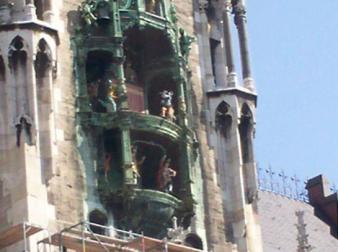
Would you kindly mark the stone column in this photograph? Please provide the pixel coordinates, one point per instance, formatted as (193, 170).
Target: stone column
(49, 11)
(240, 21)
(5, 12)
(30, 10)
(232, 76)
(203, 37)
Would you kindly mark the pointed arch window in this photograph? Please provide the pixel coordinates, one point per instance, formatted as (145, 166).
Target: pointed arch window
(43, 60)
(17, 61)
(223, 119)
(44, 81)
(223, 123)
(246, 131)
(17, 53)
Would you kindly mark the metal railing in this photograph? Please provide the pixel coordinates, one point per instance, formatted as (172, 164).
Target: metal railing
(280, 183)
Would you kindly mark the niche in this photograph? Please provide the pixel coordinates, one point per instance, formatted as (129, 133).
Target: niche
(223, 119)
(111, 155)
(246, 131)
(97, 217)
(153, 154)
(43, 59)
(147, 54)
(101, 81)
(246, 135)
(156, 103)
(17, 59)
(42, 66)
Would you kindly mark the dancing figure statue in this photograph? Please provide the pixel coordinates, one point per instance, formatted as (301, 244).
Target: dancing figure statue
(109, 101)
(137, 163)
(167, 110)
(165, 175)
(107, 164)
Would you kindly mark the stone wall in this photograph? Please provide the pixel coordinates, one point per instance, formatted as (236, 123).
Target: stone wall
(211, 214)
(66, 186)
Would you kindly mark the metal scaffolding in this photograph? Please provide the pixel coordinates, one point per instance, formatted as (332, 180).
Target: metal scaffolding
(81, 238)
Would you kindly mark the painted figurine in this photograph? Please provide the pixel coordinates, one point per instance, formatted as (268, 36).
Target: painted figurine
(109, 101)
(136, 164)
(167, 110)
(150, 6)
(87, 9)
(165, 175)
(107, 163)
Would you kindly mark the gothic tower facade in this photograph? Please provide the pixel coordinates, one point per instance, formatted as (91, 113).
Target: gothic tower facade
(127, 116)
(230, 113)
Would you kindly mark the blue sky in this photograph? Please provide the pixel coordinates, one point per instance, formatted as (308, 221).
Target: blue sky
(294, 53)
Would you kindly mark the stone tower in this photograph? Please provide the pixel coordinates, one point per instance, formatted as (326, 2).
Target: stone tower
(230, 112)
(127, 114)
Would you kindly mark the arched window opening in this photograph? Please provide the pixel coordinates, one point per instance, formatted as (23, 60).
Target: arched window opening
(17, 56)
(97, 217)
(223, 119)
(157, 162)
(194, 241)
(246, 131)
(42, 66)
(246, 135)
(17, 60)
(111, 159)
(144, 58)
(101, 81)
(43, 59)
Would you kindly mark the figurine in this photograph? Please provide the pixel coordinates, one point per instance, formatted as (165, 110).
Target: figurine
(109, 102)
(167, 110)
(150, 6)
(165, 175)
(107, 162)
(87, 9)
(136, 164)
